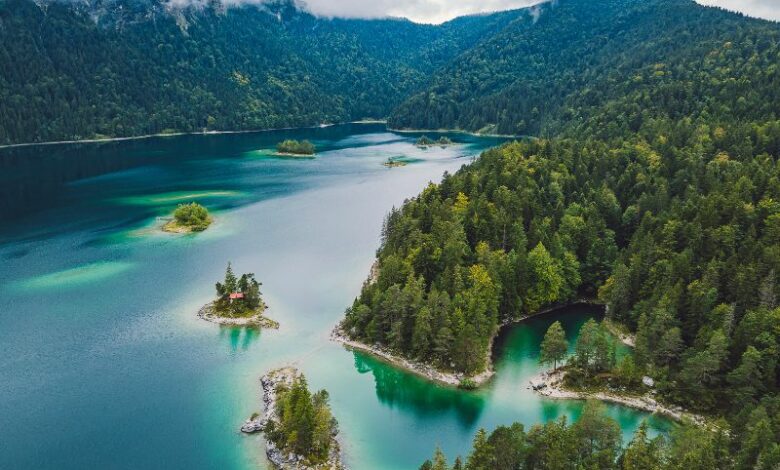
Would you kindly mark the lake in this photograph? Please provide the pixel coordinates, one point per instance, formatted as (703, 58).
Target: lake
(103, 361)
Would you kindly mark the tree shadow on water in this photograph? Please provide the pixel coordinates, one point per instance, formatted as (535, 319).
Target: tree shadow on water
(400, 389)
(239, 338)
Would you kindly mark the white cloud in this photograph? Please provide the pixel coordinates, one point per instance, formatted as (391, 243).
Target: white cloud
(422, 11)
(769, 9)
(437, 11)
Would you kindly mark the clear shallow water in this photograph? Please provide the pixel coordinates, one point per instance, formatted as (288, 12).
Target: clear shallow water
(103, 362)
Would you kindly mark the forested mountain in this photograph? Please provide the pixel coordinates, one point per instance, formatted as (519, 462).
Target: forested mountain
(656, 189)
(75, 70)
(565, 65)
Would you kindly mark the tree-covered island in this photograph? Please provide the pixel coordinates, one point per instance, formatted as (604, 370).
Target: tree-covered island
(425, 142)
(239, 302)
(295, 148)
(189, 218)
(298, 425)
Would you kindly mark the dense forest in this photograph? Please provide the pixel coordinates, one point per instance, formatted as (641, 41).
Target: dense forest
(656, 190)
(78, 70)
(595, 442)
(575, 60)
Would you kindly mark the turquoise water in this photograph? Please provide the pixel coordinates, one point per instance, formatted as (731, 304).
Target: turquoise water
(102, 359)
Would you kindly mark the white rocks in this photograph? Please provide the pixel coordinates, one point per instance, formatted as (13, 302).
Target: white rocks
(252, 426)
(648, 381)
(208, 313)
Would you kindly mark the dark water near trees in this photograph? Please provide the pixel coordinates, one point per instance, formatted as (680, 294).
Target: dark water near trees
(103, 362)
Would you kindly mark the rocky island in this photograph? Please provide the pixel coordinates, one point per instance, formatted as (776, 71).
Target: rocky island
(188, 218)
(294, 148)
(299, 428)
(239, 302)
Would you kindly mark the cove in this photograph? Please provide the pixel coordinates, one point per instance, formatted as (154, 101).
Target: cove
(104, 362)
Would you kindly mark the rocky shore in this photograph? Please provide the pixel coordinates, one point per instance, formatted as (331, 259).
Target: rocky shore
(550, 385)
(208, 313)
(424, 370)
(280, 460)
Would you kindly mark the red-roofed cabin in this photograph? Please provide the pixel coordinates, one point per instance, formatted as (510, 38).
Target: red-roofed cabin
(236, 295)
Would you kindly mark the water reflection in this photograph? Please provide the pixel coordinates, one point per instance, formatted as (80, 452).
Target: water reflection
(399, 389)
(239, 338)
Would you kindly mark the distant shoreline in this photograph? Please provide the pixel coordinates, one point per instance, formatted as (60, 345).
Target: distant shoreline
(458, 131)
(256, 131)
(179, 134)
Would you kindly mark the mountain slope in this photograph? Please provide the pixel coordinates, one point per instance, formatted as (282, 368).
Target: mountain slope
(129, 67)
(552, 71)
(655, 188)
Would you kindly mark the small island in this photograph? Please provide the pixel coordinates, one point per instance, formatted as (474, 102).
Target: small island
(299, 428)
(239, 302)
(188, 218)
(294, 148)
(394, 163)
(424, 142)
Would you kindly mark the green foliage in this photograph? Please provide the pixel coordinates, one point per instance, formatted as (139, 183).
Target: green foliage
(250, 300)
(304, 424)
(425, 141)
(594, 441)
(77, 70)
(554, 345)
(193, 216)
(294, 147)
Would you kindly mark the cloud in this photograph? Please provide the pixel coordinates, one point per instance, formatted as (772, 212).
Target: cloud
(421, 11)
(438, 11)
(768, 9)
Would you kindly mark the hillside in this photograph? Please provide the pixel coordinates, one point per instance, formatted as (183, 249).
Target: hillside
(552, 72)
(129, 67)
(655, 190)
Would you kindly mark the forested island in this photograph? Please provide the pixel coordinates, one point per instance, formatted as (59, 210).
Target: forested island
(294, 148)
(299, 428)
(424, 142)
(239, 302)
(189, 218)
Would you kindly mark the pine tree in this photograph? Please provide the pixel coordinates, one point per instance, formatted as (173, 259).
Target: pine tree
(554, 345)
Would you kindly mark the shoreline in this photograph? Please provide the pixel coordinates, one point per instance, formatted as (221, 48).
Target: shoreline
(549, 384)
(208, 314)
(172, 226)
(179, 134)
(431, 373)
(458, 131)
(257, 422)
(425, 371)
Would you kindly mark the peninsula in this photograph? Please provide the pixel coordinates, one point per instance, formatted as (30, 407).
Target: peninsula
(188, 218)
(239, 302)
(299, 428)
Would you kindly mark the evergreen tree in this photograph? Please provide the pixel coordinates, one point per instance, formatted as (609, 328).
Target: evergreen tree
(554, 345)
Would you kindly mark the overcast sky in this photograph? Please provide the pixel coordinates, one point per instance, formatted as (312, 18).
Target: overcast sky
(436, 11)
